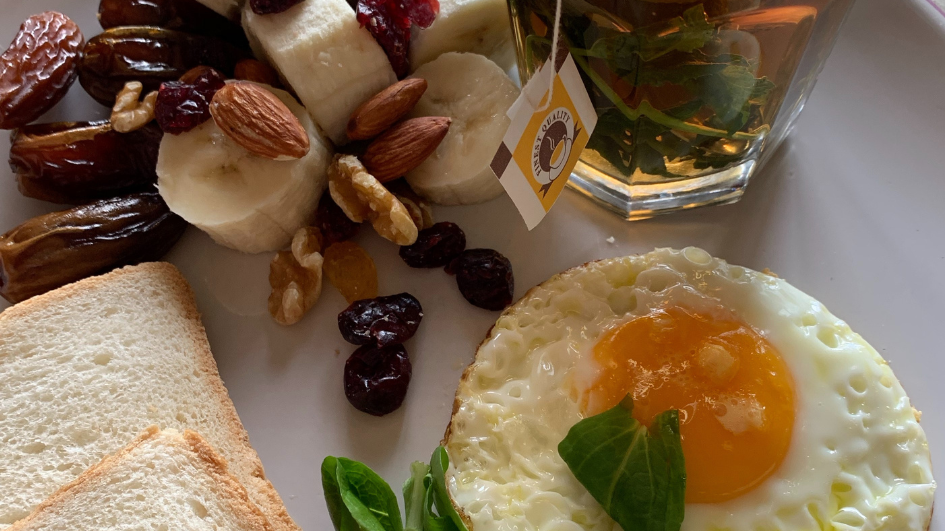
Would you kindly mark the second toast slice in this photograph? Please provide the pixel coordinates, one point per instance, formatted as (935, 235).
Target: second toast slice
(162, 480)
(87, 367)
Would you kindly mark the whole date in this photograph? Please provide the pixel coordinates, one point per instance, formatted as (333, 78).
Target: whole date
(70, 162)
(56, 249)
(184, 15)
(38, 67)
(151, 56)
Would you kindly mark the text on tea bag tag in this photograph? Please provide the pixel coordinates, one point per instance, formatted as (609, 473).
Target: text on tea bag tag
(545, 139)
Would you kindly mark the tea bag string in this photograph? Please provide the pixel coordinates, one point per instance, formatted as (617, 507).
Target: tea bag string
(554, 58)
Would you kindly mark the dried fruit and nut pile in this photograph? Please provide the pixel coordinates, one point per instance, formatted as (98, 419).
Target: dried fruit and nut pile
(170, 66)
(367, 188)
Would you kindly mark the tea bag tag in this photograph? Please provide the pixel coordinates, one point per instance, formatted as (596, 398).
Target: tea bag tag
(545, 139)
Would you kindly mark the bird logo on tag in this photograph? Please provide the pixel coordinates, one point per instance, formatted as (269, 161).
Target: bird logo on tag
(552, 147)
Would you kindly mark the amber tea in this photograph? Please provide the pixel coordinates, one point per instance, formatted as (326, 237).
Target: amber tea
(689, 95)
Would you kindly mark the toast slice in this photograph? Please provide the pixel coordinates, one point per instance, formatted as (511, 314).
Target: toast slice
(162, 480)
(87, 367)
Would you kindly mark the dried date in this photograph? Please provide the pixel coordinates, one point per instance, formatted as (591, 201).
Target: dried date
(382, 321)
(55, 249)
(184, 15)
(151, 56)
(69, 162)
(484, 278)
(38, 68)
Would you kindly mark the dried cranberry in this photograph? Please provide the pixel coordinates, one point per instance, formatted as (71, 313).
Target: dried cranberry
(484, 277)
(435, 247)
(268, 7)
(376, 378)
(389, 21)
(382, 321)
(182, 106)
(332, 221)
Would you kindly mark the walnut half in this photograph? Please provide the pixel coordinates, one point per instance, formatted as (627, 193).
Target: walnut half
(296, 277)
(362, 197)
(420, 210)
(129, 114)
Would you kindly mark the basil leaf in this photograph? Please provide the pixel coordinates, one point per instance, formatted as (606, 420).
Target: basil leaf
(340, 516)
(357, 498)
(444, 505)
(637, 475)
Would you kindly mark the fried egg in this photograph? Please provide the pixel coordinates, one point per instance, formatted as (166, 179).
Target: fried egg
(789, 420)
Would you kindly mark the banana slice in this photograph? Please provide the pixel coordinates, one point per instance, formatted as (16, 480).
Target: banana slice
(323, 53)
(243, 201)
(477, 26)
(228, 8)
(476, 94)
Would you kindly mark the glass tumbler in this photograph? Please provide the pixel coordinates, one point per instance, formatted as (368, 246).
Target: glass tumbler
(692, 97)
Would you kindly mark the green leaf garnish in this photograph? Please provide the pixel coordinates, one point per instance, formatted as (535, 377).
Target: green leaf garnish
(637, 475)
(444, 505)
(358, 499)
(415, 496)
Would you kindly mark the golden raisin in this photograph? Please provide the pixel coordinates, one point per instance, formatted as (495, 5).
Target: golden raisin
(295, 287)
(351, 271)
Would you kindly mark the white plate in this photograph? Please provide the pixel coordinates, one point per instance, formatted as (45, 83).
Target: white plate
(851, 211)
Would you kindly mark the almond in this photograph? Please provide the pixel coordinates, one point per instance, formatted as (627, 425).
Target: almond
(257, 120)
(375, 115)
(404, 147)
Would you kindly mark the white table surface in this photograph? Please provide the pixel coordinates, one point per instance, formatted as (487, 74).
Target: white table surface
(852, 211)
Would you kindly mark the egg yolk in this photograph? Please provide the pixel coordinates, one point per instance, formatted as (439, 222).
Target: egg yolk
(733, 391)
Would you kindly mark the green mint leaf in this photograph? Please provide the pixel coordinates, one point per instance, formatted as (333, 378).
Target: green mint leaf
(684, 73)
(729, 92)
(686, 33)
(763, 89)
(624, 50)
(444, 505)
(637, 475)
(357, 498)
(620, 49)
(611, 140)
(415, 495)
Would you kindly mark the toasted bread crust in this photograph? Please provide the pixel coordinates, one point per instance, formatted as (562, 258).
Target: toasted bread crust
(212, 463)
(261, 490)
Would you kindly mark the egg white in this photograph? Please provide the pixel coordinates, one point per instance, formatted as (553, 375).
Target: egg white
(858, 458)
